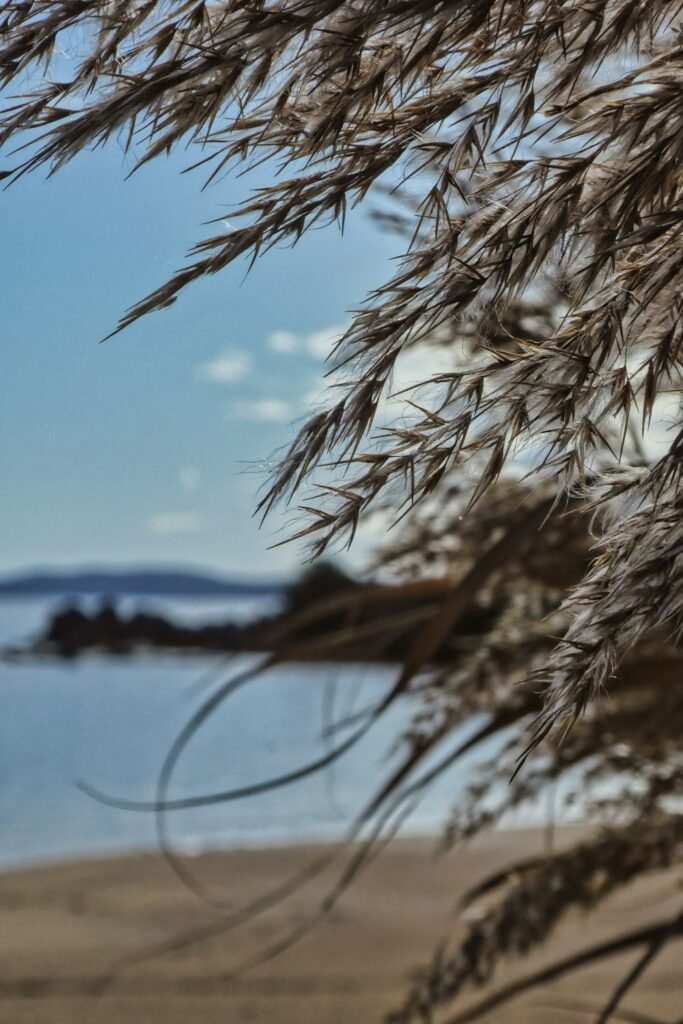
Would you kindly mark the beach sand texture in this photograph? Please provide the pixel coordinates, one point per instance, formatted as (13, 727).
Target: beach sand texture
(64, 926)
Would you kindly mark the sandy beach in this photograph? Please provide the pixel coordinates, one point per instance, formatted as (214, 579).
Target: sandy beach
(64, 927)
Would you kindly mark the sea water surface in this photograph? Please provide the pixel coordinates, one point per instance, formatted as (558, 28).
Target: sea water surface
(109, 722)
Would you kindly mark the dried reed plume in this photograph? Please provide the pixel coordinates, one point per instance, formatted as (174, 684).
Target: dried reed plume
(541, 145)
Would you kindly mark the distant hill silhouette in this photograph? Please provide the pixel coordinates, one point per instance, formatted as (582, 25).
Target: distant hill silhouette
(135, 582)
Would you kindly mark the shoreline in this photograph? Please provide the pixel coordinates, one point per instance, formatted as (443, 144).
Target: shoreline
(67, 924)
(191, 849)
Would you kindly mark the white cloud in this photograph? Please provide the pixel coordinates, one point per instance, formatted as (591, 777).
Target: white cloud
(659, 435)
(417, 364)
(316, 397)
(414, 366)
(284, 342)
(169, 524)
(320, 343)
(317, 344)
(227, 367)
(189, 478)
(266, 410)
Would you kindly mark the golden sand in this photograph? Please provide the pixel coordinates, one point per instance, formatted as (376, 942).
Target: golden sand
(65, 926)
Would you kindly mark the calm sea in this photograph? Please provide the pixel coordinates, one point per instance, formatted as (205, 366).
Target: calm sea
(109, 722)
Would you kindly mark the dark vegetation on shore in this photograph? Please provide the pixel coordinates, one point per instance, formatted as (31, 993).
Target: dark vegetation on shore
(302, 618)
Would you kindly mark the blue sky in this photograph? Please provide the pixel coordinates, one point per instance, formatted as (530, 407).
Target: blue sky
(147, 448)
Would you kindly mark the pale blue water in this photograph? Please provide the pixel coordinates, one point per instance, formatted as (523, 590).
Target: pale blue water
(110, 722)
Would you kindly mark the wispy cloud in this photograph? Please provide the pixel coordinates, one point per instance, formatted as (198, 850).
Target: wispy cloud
(265, 410)
(419, 363)
(189, 478)
(168, 524)
(284, 342)
(229, 366)
(317, 344)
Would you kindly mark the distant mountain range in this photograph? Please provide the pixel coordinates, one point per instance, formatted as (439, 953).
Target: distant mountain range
(136, 582)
